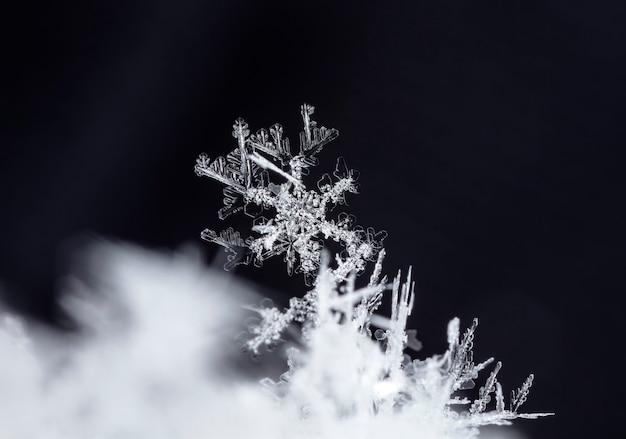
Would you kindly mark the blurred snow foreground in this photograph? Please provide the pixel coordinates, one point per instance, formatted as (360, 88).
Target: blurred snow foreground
(155, 355)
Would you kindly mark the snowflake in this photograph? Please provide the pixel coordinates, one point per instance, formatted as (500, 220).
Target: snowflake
(298, 227)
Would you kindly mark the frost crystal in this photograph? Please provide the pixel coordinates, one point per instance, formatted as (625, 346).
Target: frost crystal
(344, 373)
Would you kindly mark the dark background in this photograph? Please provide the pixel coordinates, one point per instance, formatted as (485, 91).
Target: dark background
(487, 134)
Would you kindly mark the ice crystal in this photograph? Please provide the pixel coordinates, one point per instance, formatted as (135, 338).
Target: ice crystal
(344, 373)
(298, 227)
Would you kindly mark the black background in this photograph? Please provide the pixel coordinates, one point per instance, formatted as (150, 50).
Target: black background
(487, 134)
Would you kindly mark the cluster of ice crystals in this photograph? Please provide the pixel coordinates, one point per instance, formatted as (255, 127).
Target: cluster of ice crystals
(344, 372)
